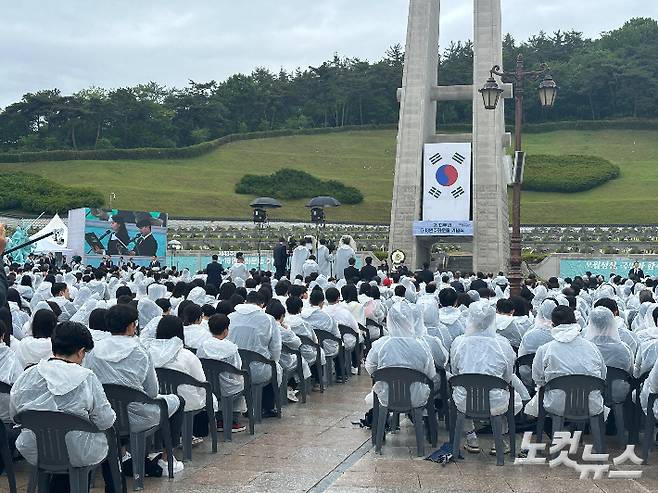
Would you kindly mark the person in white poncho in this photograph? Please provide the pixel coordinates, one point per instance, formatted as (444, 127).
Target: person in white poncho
(32, 349)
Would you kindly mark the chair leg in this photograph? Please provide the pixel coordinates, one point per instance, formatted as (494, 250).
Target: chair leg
(417, 413)
(432, 423)
(648, 438)
(511, 433)
(79, 479)
(597, 427)
(303, 382)
(138, 452)
(278, 402)
(43, 482)
(33, 480)
(7, 460)
(497, 427)
(188, 427)
(212, 424)
(620, 422)
(457, 433)
(375, 418)
(381, 428)
(257, 401)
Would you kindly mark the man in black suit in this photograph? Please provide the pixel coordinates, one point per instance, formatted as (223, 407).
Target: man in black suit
(154, 262)
(368, 271)
(214, 270)
(145, 245)
(351, 273)
(636, 273)
(425, 275)
(280, 258)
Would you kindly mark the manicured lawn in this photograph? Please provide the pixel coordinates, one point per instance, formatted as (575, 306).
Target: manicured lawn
(204, 186)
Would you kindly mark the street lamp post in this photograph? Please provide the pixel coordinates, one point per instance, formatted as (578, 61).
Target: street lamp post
(491, 93)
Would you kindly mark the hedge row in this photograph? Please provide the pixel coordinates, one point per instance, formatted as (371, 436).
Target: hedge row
(567, 174)
(32, 193)
(293, 184)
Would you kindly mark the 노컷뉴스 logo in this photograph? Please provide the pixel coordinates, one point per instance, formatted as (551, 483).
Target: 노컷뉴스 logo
(593, 464)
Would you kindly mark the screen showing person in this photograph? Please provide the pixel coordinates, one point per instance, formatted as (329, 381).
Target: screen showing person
(145, 243)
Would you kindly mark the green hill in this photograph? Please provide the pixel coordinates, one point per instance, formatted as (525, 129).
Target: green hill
(204, 186)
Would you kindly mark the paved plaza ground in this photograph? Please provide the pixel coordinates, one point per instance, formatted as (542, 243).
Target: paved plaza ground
(315, 448)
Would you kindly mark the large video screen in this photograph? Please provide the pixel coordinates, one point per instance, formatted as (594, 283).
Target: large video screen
(120, 233)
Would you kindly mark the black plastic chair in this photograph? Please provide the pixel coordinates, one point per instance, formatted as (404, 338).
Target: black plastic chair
(443, 393)
(169, 381)
(5, 451)
(120, 398)
(399, 382)
(213, 369)
(307, 341)
(248, 357)
(478, 406)
(50, 429)
(615, 375)
(577, 389)
(649, 427)
(323, 336)
(638, 414)
(344, 330)
(288, 374)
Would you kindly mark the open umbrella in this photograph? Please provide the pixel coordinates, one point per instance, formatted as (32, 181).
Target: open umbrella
(265, 203)
(323, 201)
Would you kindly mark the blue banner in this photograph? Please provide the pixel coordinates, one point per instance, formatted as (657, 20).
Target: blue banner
(443, 228)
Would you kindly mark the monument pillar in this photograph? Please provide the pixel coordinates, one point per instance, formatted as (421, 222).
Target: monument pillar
(490, 210)
(417, 124)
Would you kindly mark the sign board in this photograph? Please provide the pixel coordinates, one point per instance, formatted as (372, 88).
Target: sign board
(604, 266)
(443, 228)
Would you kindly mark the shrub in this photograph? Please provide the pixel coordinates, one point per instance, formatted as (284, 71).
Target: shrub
(567, 174)
(32, 193)
(293, 184)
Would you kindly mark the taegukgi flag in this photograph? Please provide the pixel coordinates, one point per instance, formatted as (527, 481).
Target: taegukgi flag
(447, 182)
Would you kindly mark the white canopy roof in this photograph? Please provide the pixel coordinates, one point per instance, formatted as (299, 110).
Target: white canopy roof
(50, 244)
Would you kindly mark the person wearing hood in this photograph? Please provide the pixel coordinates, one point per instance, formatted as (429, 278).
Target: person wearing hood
(18, 317)
(32, 349)
(567, 354)
(437, 349)
(60, 292)
(318, 319)
(97, 325)
(196, 331)
(167, 351)
(375, 310)
(61, 384)
(602, 331)
(343, 255)
(253, 329)
(219, 348)
(522, 315)
(324, 259)
(122, 360)
(238, 270)
(647, 351)
(299, 327)
(156, 291)
(10, 369)
(626, 335)
(399, 295)
(310, 266)
(148, 310)
(342, 315)
(481, 350)
(401, 349)
(299, 256)
(506, 322)
(449, 314)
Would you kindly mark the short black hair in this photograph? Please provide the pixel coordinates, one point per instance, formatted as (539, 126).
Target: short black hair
(254, 298)
(294, 305)
(218, 323)
(208, 310)
(57, 288)
(276, 309)
(351, 261)
(97, 319)
(119, 317)
(430, 287)
(297, 290)
(70, 337)
(563, 315)
(163, 303)
(332, 295)
(349, 293)
(316, 297)
(610, 304)
(169, 327)
(521, 307)
(191, 314)
(43, 324)
(400, 291)
(447, 297)
(224, 308)
(504, 306)
(281, 288)
(124, 291)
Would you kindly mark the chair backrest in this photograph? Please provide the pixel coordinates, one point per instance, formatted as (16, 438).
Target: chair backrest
(214, 368)
(399, 382)
(5, 388)
(288, 350)
(371, 323)
(120, 396)
(344, 329)
(169, 380)
(613, 375)
(525, 360)
(307, 341)
(50, 429)
(323, 335)
(248, 357)
(477, 387)
(577, 389)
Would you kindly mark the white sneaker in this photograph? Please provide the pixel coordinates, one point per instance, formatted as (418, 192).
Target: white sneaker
(472, 444)
(178, 467)
(355, 371)
(291, 396)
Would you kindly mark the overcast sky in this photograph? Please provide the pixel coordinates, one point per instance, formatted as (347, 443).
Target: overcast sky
(74, 44)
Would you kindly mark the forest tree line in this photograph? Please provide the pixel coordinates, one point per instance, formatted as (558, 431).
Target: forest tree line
(613, 76)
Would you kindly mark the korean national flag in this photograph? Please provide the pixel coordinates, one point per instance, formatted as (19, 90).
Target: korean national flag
(447, 182)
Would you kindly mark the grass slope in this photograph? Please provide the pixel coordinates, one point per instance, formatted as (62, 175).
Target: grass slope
(204, 186)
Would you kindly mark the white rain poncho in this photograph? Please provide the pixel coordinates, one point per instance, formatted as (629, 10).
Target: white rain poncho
(650, 386)
(42, 293)
(567, 354)
(342, 315)
(82, 315)
(506, 327)
(84, 295)
(60, 386)
(289, 361)
(30, 350)
(157, 291)
(481, 350)
(123, 360)
(603, 332)
(343, 254)
(626, 335)
(237, 271)
(148, 332)
(324, 261)
(541, 293)
(231, 384)
(147, 310)
(299, 255)
(647, 352)
(196, 334)
(639, 322)
(18, 320)
(540, 334)
(410, 293)
(10, 370)
(170, 353)
(320, 320)
(402, 349)
(309, 267)
(301, 328)
(437, 349)
(68, 309)
(253, 329)
(451, 317)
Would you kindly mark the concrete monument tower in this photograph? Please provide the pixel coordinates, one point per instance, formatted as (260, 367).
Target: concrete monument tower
(418, 98)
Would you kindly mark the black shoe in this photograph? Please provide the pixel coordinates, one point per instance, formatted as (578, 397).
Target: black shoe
(271, 413)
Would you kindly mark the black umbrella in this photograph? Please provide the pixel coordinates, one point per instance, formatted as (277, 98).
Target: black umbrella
(323, 201)
(265, 203)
